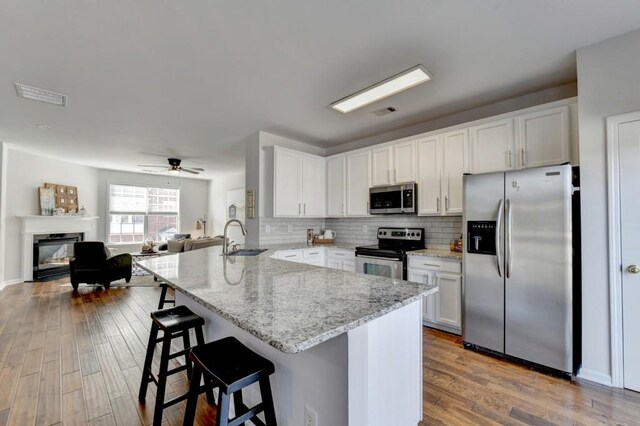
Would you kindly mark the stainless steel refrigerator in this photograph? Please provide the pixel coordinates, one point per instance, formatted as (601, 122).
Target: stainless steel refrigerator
(518, 265)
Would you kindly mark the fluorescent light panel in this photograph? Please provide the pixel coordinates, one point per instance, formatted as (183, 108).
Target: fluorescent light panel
(42, 95)
(384, 89)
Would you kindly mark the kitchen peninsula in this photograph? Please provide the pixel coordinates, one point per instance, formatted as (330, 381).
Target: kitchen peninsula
(347, 346)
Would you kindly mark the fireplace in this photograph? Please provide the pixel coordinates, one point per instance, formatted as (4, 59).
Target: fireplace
(51, 255)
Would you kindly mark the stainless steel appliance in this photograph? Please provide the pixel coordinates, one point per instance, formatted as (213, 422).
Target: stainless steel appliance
(389, 257)
(393, 199)
(518, 265)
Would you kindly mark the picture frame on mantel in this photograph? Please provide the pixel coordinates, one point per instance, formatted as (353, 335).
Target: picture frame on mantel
(65, 197)
(46, 201)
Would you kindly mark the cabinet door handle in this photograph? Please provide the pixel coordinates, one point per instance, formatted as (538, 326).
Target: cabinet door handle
(509, 157)
(438, 204)
(291, 255)
(388, 176)
(315, 252)
(368, 207)
(342, 208)
(446, 203)
(431, 265)
(522, 157)
(299, 207)
(305, 208)
(395, 175)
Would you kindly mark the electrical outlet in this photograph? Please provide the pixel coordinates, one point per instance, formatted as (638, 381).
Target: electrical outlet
(267, 229)
(290, 228)
(365, 228)
(310, 416)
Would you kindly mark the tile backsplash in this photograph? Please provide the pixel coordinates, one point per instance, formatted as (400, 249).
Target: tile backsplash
(439, 230)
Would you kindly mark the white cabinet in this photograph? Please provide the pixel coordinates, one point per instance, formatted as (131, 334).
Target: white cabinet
(534, 139)
(454, 166)
(442, 162)
(290, 255)
(544, 137)
(429, 170)
(357, 183)
(394, 164)
(492, 146)
(443, 309)
(344, 260)
(381, 165)
(336, 186)
(314, 256)
(405, 165)
(299, 184)
(313, 186)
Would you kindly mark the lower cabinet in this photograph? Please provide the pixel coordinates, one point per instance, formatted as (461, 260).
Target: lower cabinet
(442, 310)
(333, 258)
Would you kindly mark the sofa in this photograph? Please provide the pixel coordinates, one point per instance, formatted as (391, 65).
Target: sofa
(188, 244)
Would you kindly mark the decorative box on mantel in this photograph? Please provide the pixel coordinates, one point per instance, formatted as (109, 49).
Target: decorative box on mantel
(35, 225)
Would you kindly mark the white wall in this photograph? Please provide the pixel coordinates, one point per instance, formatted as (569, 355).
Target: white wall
(608, 84)
(25, 172)
(194, 198)
(217, 205)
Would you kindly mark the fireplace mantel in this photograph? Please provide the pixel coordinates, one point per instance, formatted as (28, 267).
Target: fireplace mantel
(34, 224)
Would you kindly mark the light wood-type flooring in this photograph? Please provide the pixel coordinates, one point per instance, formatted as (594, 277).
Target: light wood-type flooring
(75, 358)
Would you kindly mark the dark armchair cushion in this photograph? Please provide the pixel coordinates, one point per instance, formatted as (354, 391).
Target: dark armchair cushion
(93, 265)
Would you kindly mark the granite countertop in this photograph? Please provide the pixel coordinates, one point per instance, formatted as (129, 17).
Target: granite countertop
(295, 246)
(439, 253)
(291, 306)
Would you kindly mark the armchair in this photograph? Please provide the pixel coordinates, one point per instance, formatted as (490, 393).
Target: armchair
(92, 264)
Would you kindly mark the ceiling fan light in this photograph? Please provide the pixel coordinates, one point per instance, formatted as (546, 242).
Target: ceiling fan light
(174, 171)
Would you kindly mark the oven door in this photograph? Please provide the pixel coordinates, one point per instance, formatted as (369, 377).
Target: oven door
(388, 268)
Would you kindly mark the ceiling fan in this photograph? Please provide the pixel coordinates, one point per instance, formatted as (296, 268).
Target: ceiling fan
(173, 168)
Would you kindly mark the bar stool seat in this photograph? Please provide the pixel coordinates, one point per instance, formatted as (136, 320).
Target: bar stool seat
(175, 323)
(231, 366)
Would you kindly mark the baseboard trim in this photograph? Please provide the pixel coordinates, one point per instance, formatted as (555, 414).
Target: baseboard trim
(10, 282)
(595, 376)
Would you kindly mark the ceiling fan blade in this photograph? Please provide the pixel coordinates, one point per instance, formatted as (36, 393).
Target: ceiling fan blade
(197, 169)
(152, 171)
(152, 165)
(193, 172)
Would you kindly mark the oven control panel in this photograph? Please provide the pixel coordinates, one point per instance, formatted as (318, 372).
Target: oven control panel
(400, 234)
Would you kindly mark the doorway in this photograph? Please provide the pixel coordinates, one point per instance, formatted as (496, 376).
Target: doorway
(624, 247)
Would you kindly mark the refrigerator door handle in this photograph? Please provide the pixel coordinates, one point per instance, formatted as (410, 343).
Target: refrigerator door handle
(498, 247)
(508, 222)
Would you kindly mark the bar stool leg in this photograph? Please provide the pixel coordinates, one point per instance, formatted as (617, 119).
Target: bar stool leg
(267, 400)
(146, 370)
(186, 342)
(162, 379)
(200, 341)
(163, 295)
(192, 400)
(238, 404)
(222, 417)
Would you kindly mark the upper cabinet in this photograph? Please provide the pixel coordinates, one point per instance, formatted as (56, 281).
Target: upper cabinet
(358, 181)
(492, 146)
(544, 137)
(442, 162)
(392, 164)
(535, 139)
(299, 184)
(336, 175)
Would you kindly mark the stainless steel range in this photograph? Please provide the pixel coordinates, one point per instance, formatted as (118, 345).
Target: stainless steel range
(388, 258)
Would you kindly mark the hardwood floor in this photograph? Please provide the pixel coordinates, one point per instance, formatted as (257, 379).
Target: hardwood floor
(70, 358)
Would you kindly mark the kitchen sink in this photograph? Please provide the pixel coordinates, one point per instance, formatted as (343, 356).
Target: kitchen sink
(246, 252)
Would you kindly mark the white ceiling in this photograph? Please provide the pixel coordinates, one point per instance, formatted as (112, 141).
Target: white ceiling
(150, 79)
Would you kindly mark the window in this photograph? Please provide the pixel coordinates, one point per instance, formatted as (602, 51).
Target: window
(139, 211)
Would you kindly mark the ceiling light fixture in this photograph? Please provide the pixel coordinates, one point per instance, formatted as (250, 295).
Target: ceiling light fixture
(174, 172)
(384, 89)
(42, 95)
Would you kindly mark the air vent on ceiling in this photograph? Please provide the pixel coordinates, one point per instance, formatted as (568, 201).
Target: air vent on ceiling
(384, 111)
(42, 95)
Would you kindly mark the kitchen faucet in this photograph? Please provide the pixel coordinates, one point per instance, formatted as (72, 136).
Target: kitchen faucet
(225, 244)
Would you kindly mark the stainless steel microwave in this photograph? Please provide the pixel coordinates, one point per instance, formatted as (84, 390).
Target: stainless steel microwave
(393, 199)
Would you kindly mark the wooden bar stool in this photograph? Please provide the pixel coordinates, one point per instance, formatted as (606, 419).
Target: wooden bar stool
(230, 366)
(175, 323)
(163, 296)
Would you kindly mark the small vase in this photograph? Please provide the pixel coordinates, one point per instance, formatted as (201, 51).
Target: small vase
(83, 211)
